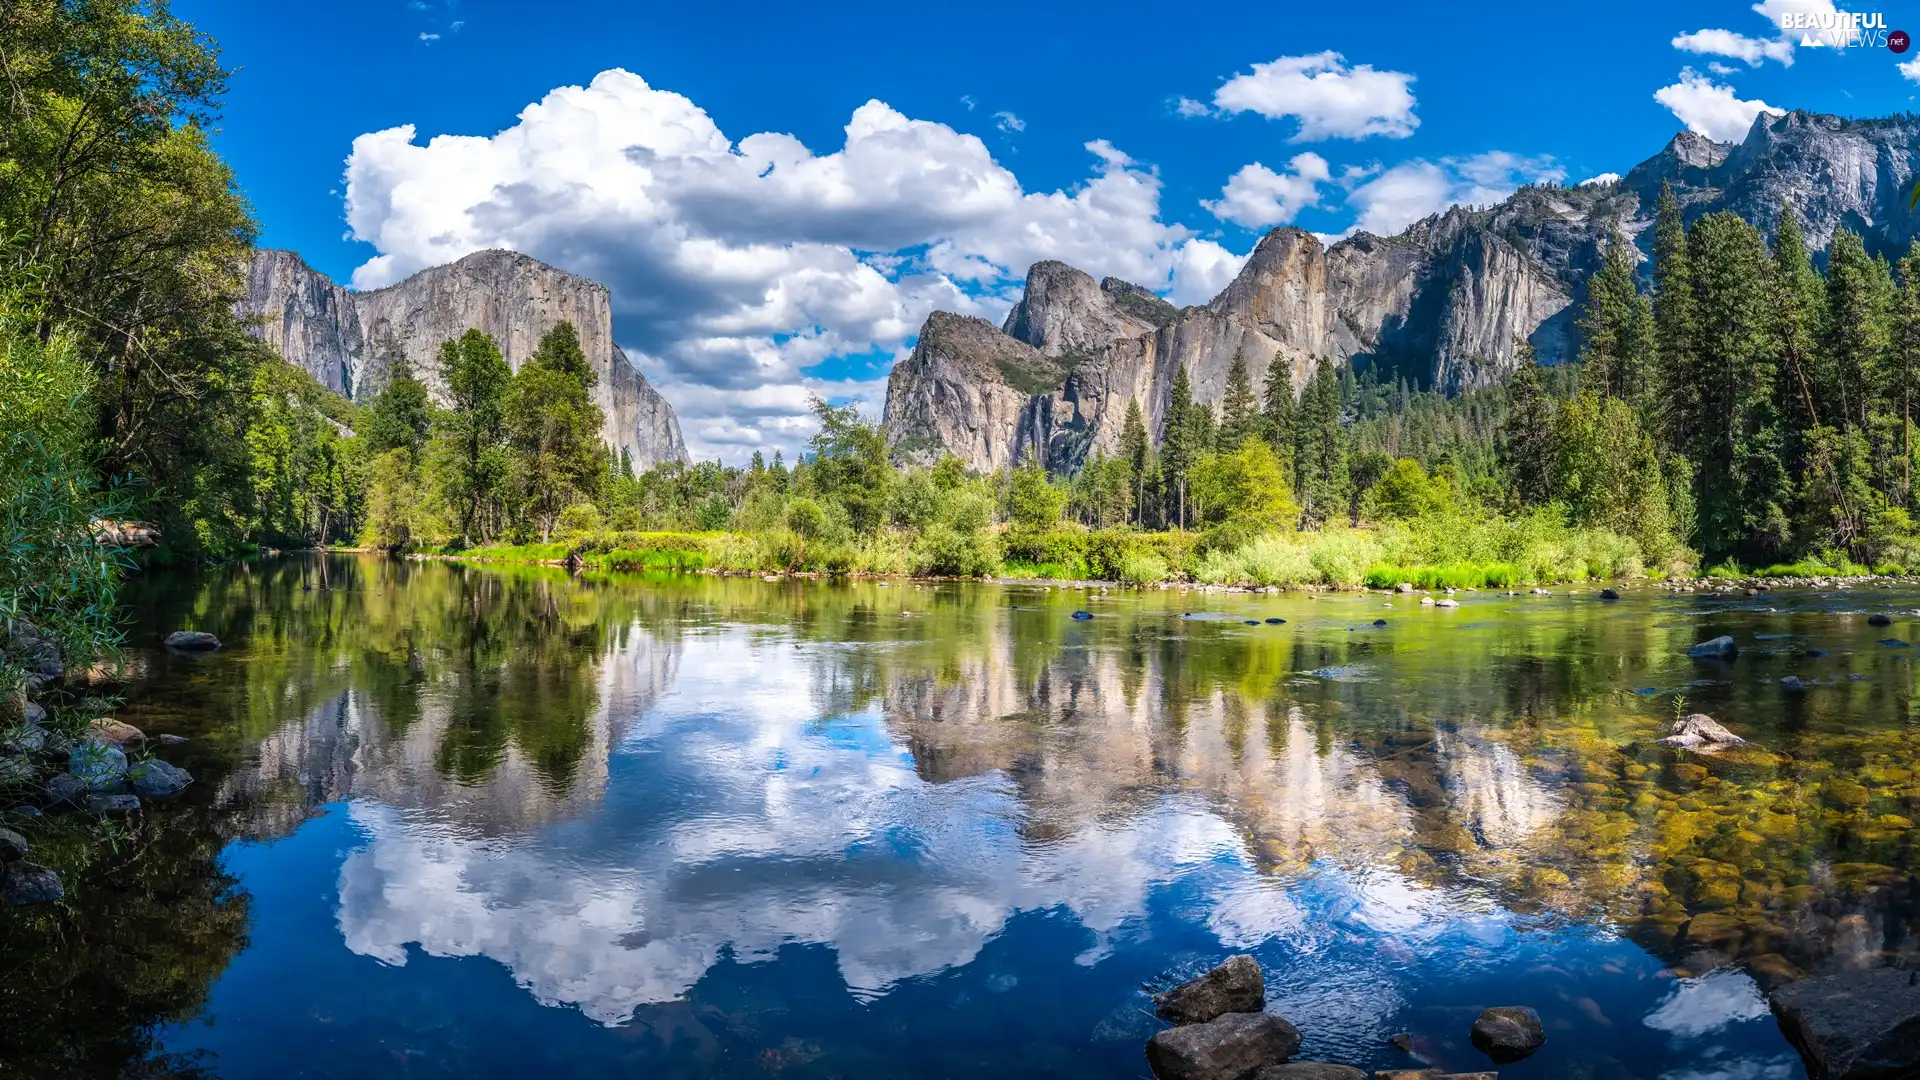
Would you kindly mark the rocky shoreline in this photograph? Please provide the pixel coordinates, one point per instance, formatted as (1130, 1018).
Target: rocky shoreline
(1856, 1026)
(60, 754)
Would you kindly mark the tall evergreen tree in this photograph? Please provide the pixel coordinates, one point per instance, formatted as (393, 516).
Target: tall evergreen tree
(1617, 331)
(1279, 410)
(1239, 409)
(1320, 453)
(554, 428)
(1798, 302)
(1134, 448)
(1179, 445)
(1859, 306)
(1906, 362)
(400, 416)
(1527, 439)
(1732, 425)
(1673, 331)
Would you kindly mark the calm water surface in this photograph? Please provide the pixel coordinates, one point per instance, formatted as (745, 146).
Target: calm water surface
(456, 821)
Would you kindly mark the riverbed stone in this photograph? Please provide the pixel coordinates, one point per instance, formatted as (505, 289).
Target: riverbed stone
(1720, 648)
(1307, 1070)
(1431, 1074)
(192, 641)
(171, 740)
(1792, 682)
(16, 771)
(1234, 987)
(154, 778)
(117, 732)
(63, 788)
(98, 765)
(1609, 594)
(13, 846)
(1226, 1048)
(1700, 732)
(1508, 1033)
(1877, 619)
(26, 883)
(1863, 1025)
(113, 804)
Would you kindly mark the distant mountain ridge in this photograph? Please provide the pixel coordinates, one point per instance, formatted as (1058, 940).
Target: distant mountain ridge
(1442, 303)
(348, 339)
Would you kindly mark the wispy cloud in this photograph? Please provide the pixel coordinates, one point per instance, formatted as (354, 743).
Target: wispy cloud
(1006, 121)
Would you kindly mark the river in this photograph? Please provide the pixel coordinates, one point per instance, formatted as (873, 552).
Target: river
(459, 821)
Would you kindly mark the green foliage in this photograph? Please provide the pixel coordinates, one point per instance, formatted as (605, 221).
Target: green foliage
(1321, 480)
(1033, 502)
(1240, 416)
(474, 462)
(554, 429)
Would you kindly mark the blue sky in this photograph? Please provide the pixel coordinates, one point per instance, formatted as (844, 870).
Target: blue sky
(777, 196)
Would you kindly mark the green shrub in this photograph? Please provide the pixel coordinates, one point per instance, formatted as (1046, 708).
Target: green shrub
(1142, 568)
(578, 520)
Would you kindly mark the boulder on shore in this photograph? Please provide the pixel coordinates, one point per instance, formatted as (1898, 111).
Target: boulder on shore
(13, 846)
(1508, 1033)
(192, 641)
(1701, 732)
(117, 732)
(26, 883)
(1720, 648)
(113, 804)
(154, 778)
(1863, 1025)
(1234, 987)
(97, 765)
(1223, 1049)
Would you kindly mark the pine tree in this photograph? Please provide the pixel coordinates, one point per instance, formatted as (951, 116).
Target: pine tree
(1798, 302)
(1279, 412)
(1733, 429)
(1320, 458)
(1239, 409)
(1859, 306)
(1134, 448)
(1617, 330)
(1178, 444)
(1526, 441)
(1673, 332)
(400, 416)
(1906, 361)
(554, 428)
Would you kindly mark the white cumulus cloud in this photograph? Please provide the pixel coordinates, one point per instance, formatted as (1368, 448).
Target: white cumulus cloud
(1329, 98)
(1603, 178)
(1257, 197)
(738, 266)
(1911, 68)
(1738, 46)
(1709, 108)
(1397, 197)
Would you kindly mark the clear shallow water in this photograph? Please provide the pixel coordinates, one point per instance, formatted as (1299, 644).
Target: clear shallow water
(455, 821)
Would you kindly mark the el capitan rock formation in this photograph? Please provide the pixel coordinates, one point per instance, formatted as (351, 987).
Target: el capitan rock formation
(1443, 303)
(347, 340)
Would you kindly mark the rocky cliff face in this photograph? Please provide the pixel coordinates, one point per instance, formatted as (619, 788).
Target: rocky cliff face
(1447, 303)
(349, 340)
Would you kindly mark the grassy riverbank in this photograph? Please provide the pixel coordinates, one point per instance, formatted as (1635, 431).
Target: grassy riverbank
(1492, 553)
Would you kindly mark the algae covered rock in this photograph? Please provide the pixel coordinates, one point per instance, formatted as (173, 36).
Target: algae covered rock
(1508, 1033)
(1223, 1049)
(1234, 987)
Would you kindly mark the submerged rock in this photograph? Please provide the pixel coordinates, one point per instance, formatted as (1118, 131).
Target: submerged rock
(192, 640)
(1307, 1070)
(1858, 1026)
(26, 883)
(1792, 682)
(1431, 1074)
(154, 778)
(1234, 987)
(172, 740)
(1083, 615)
(113, 804)
(1275, 622)
(1877, 619)
(1402, 1042)
(1701, 732)
(1609, 594)
(1720, 648)
(1508, 1033)
(1223, 1049)
(1379, 622)
(1895, 643)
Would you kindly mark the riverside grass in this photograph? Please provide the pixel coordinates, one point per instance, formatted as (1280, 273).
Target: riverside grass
(1457, 552)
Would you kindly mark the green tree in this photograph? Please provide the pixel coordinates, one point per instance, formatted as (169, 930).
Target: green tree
(1906, 362)
(477, 464)
(849, 465)
(1673, 320)
(554, 428)
(1180, 444)
(1526, 440)
(1320, 454)
(1405, 492)
(1033, 502)
(1617, 331)
(1606, 470)
(1279, 409)
(1240, 417)
(400, 416)
(1135, 447)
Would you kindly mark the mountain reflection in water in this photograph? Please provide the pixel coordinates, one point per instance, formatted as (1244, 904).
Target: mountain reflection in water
(491, 820)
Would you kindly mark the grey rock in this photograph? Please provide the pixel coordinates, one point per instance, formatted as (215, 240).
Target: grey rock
(113, 804)
(154, 778)
(1720, 648)
(171, 740)
(64, 788)
(24, 739)
(97, 765)
(1234, 987)
(192, 641)
(1222, 1049)
(1859, 1026)
(1700, 731)
(25, 883)
(1508, 1033)
(1448, 602)
(16, 771)
(35, 713)
(1402, 1042)
(349, 340)
(1878, 619)
(1792, 682)
(13, 846)
(1609, 594)
(1404, 587)
(1307, 1070)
